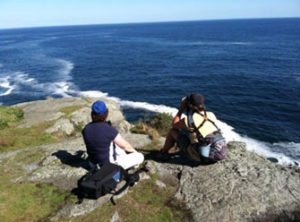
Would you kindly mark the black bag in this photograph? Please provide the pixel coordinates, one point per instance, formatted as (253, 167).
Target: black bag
(99, 182)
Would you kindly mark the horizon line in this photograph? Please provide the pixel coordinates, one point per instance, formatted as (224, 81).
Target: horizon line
(146, 22)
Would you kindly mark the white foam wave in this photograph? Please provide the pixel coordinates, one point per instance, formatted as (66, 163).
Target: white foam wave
(132, 104)
(20, 82)
(148, 107)
(93, 94)
(6, 85)
(262, 148)
(65, 70)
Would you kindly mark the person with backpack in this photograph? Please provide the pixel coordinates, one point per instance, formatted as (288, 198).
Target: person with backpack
(196, 134)
(104, 144)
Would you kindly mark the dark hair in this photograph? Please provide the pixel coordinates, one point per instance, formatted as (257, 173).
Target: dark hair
(99, 117)
(196, 101)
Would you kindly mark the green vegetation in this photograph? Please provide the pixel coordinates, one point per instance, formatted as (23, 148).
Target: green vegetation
(161, 122)
(9, 116)
(13, 138)
(26, 201)
(144, 202)
(155, 126)
(29, 156)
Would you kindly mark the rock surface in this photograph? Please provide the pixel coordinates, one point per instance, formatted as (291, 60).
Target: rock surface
(51, 110)
(243, 187)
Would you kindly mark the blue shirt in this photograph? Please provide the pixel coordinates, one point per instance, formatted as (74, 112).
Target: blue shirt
(98, 137)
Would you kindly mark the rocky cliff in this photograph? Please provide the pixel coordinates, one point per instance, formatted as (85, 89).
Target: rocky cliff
(244, 187)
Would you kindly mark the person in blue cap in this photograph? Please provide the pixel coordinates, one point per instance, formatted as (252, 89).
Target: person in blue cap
(105, 144)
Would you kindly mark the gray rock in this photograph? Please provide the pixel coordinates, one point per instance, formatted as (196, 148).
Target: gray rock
(137, 140)
(160, 184)
(115, 217)
(62, 126)
(122, 127)
(81, 116)
(151, 166)
(75, 210)
(243, 187)
(37, 112)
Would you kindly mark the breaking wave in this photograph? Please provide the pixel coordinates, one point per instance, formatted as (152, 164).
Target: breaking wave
(21, 82)
(262, 148)
(5, 87)
(65, 69)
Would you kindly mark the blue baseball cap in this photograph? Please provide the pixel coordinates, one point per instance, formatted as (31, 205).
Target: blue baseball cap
(99, 107)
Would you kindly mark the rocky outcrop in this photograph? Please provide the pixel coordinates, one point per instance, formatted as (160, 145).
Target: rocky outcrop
(52, 111)
(244, 187)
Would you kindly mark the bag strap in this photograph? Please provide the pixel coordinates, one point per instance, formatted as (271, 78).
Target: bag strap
(196, 129)
(130, 180)
(205, 118)
(114, 152)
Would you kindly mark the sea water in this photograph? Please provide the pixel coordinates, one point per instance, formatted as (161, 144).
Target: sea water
(248, 71)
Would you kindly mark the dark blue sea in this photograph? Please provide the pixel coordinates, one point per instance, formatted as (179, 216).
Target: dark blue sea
(248, 71)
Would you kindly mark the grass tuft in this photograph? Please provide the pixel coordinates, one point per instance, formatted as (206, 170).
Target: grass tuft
(26, 201)
(13, 138)
(9, 116)
(155, 126)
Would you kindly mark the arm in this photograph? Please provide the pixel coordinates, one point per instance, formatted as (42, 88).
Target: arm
(122, 143)
(178, 123)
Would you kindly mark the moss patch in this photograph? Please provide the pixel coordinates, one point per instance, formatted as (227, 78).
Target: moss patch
(9, 116)
(13, 138)
(26, 201)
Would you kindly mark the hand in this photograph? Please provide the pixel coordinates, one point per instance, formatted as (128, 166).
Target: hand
(130, 150)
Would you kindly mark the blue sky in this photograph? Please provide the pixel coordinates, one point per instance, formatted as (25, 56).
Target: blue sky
(30, 13)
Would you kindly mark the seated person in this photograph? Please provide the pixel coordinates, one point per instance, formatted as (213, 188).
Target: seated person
(105, 144)
(196, 134)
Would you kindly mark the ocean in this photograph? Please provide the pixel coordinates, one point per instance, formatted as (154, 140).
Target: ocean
(248, 70)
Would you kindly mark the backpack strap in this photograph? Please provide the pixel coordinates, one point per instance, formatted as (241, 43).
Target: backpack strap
(205, 118)
(122, 189)
(196, 128)
(130, 180)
